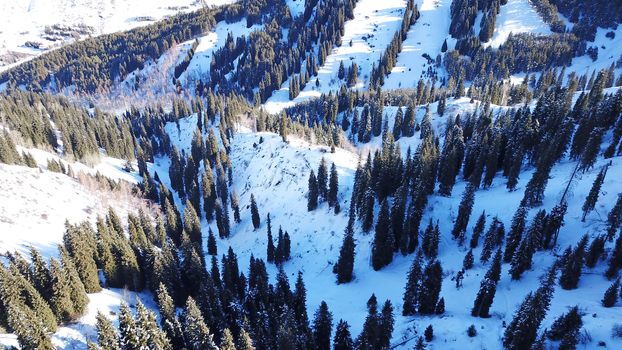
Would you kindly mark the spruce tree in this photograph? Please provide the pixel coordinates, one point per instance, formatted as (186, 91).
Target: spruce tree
(212, 248)
(333, 186)
(128, 329)
(595, 251)
(566, 328)
(77, 240)
(464, 213)
(487, 289)
(611, 294)
(428, 333)
(592, 197)
(60, 301)
(244, 341)
(522, 331)
(571, 269)
(107, 335)
(196, 332)
(255, 213)
(322, 327)
(385, 326)
(345, 263)
(382, 249)
(430, 288)
(411, 291)
(313, 194)
(322, 180)
(615, 260)
(614, 218)
(516, 233)
(478, 230)
(227, 341)
(467, 262)
(343, 339)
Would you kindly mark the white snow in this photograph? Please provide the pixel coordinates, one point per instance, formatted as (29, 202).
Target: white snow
(277, 172)
(517, 16)
(425, 36)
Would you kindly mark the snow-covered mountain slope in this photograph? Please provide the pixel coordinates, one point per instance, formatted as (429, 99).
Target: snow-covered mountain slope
(517, 16)
(365, 39)
(276, 173)
(424, 37)
(36, 202)
(30, 27)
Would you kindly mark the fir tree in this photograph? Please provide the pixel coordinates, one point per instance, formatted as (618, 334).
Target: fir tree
(615, 261)
(566, 328)
(235, 206)
(212, 248)
(244, 341)
(227, 341)
(521, 333)
(467, 263)
(614, 218)
(516, 233)
(428, 333)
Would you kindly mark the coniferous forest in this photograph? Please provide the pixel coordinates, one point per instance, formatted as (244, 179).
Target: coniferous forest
(318, 174)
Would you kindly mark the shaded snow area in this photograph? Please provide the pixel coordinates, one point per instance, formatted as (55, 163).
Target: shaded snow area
(277, 174)
(517, 16)
(424, 37)
(374, 24)
(609, 51)
(199, 66)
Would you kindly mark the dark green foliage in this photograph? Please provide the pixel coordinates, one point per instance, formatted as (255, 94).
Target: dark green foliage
(81, 245)
(615, 260)
(212, 248)
(595, 251)
(107, 335)
(413, 282)
(614, 218)
(196, 333)
(516, 233)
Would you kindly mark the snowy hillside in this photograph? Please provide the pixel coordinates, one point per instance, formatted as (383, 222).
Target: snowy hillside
(30, 27)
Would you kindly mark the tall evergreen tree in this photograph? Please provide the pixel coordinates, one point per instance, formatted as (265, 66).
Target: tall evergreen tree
(107, 335)
(313, 192)
(592, 197)
(196, 332)
(430, 288)
(255, 213)
(343, 339)
(382, 250)
(411, 291)
(322, 327)
(333, 186)
(464, 213)
(322, 180)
